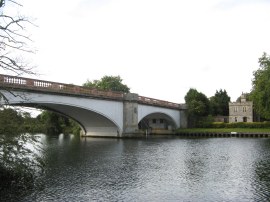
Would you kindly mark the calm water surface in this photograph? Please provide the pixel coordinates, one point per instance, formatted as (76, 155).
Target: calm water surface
(155, 169)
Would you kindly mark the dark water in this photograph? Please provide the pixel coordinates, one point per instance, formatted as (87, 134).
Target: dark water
(164, 169)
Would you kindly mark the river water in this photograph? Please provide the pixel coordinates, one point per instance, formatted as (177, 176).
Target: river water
(154, 169)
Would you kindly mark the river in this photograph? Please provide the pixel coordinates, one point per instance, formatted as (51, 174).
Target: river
(154, 169)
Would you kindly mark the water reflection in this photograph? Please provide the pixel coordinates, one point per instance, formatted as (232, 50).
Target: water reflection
(213, 169)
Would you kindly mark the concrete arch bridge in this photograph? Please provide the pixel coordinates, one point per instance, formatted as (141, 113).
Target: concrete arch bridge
(100, 113)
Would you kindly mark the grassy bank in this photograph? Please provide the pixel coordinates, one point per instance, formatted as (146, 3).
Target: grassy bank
(223, 130)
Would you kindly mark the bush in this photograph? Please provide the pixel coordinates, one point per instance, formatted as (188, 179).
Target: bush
(239, 125)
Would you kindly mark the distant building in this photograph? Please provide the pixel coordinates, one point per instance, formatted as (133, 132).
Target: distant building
(241, 111)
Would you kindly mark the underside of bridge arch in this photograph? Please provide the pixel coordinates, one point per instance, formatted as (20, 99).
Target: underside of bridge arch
(157, 123)
(91, 122)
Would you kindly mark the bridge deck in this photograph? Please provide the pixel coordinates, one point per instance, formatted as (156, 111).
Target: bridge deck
(21, 83)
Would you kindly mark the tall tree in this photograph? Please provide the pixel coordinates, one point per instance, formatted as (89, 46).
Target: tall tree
(219, 103)
(198, 105)
(113, 83)
(260, 93)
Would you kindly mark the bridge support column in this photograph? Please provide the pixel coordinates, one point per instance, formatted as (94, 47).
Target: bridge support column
(130, 125)
(183, 119)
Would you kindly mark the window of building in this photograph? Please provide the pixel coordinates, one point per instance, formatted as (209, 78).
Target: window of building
(244, 119)
(244, 109)
(161, 121)
(154, 121)
(235, 109)
(235, 119)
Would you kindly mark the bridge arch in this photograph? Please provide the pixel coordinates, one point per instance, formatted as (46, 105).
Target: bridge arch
(157, 121)
(95, 118)
(44, 107)
(152, 112)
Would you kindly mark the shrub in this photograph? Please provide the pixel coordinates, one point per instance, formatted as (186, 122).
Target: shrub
(239, 125)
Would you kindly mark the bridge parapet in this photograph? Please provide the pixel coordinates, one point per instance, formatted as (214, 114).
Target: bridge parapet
(156, 102)
(47, 86)
(21, 83)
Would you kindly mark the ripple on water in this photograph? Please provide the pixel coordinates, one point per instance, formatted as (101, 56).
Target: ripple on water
(214, 169)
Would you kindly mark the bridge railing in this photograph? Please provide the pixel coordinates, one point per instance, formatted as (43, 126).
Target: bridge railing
(152, 101)
(15, 82)
(34, 84)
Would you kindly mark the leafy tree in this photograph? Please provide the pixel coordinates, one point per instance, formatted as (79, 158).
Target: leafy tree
(18, 163)
(198, 106)
(10, 121)
(260, 93)
(55, 123)
(52, 122)
(219, 103)
(113, 83)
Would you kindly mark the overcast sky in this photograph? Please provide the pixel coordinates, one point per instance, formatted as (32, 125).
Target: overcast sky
(160, 48)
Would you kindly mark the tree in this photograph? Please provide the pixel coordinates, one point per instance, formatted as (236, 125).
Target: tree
(113, 83)
(10, 121)
(18, 163)
(54, 123)
(260, 94)
(219, 103)
(14, 41)
(198, 105)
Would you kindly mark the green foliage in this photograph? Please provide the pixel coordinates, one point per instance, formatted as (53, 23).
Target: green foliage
(260, 94)
(54, 123)
(51, 121)
(10, 121)
(236, 125)
(74, 127)
(219, 103)
(197, 102)
(198, 106)
(113, 83)
(223, 130)
(19, 163)
(204, 122)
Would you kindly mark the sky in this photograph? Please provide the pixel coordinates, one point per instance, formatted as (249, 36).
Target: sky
(160, 48)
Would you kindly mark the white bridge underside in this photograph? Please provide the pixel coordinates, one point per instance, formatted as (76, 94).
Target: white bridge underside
(97, 117)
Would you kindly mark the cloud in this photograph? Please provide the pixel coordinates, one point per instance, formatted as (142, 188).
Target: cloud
(85, 6)
(160, 48)
(230, 4)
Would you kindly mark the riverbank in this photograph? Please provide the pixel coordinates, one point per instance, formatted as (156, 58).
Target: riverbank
(224, 132)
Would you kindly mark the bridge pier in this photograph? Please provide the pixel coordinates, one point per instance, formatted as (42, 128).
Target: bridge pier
(184, 119)
(130, 115)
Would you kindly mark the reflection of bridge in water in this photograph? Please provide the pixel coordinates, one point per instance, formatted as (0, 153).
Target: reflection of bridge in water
(100, 113)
